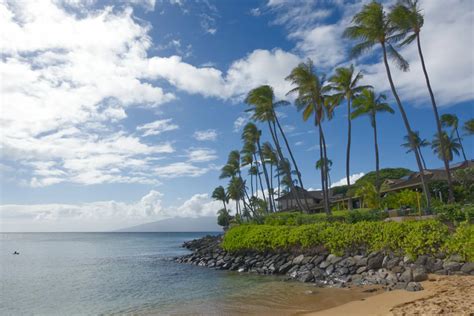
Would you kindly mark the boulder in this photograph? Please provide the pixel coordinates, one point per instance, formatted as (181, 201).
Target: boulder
(419, 274)
(285, 267)
(375, 261)
(468, 267)
(305, 276)
(360, 261)
(330, 269)
(413, 286)
(360, 270)
(298, 259)
(316, 260)
(406, 276)
(391, 263)
(324, 264)
(452, 266)
(333, 259)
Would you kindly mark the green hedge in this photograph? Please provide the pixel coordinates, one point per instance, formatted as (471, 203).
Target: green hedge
(412, 238)
(295, 218)
(455, 213)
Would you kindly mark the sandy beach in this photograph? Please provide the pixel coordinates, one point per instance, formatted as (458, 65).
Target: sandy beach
(442, 295)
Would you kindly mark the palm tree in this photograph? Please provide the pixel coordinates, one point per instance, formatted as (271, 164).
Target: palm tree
(252, 134)
(452, 121)
(219, 194)
(345, 82)
(313, 100)
(367, 103)
(416, 143)
(371, 27)
(271, 158)
(407, 18)
(468, 127)
(236, 190)
(319, 165)
(448, 143)
(262, 100)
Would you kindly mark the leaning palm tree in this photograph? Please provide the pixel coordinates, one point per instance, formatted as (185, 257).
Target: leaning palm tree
(372, 27)
(367, 103)
(452, 121)
(416, 143)
(449, 143)
(262, 100)
(346, 84)
(407, 18)
(319, 165)
(271, 158)
(468, 127)
(219, 194)
(251, 134)
(313, 99)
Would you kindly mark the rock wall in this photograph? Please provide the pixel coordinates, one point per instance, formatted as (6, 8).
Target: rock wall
(325, 269)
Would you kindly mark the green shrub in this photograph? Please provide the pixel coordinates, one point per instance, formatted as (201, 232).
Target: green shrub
(455, 213)
(462, 242)
(296, 219)
(412, 238)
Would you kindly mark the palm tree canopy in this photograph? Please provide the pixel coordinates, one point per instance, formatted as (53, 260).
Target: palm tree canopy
(345, 81)
(370, 27)
(449, 120)
(236, 188)
(232, 167)
(406, 17)
(367, 103)
(251, 133)
(319, 163)
(450, 143)
(469, 127)
(220, 194)
(417, 141)
(312, 91)
(262, 100)
(269, 153)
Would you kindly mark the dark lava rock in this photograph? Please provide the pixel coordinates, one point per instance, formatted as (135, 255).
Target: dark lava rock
(452, 266)
(406, 276)
(419, 274)
(468, 267)
(375, 261)
(413, 287)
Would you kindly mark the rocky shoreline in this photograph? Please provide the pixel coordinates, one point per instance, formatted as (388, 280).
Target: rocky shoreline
(325, 269)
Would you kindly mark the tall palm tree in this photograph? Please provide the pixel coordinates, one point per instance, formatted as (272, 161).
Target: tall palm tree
(219, 194)
(416, 143)
(449, 143)
(236, 190)
(262, 100)
(367, 103)
(232, 170)
(372, 27)
(407, 18)
(251, 134)
(313, 99)
(345, 81)
(468, 127)
(271, 158)
(452, 121)
(319, 165)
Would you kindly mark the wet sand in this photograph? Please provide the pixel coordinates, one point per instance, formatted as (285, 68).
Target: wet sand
(442, 295)
(278, 298)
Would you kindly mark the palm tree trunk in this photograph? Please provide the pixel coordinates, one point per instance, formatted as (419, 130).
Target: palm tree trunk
(438, 122)
(348, 151)
(287, 171)
(265, 173)
(298, 173)
(326, 173)
(422, 159)
(407, 126)
(251, 180)
(225, 207)
(377, 159)
(460, 143)
(321, 157)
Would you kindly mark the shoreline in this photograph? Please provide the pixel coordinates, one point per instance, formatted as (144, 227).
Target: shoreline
(449, 295)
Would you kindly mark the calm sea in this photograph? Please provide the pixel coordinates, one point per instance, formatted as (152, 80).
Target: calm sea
(115, 273)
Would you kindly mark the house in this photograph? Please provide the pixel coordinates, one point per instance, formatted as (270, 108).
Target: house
(314, 199)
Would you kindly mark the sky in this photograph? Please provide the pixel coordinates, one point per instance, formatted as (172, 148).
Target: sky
(118, 113)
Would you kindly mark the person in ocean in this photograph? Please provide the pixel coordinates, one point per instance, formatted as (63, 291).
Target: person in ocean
(16, 253)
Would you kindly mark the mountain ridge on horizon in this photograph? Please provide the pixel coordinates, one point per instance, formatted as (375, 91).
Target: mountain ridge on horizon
(177, 224)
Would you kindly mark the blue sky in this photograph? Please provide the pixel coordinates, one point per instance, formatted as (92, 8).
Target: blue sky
(116, 113)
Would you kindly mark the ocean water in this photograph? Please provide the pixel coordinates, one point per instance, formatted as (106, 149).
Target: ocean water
(133, 273)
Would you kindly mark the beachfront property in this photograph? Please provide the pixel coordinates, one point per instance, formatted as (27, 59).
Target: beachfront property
(315, 202)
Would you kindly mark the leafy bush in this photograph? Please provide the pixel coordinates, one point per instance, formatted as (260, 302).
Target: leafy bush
(455, 213)
(296, 219)
(462, 242)
(412, 238)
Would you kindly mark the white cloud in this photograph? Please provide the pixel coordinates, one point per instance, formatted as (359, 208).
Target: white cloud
(201, 155)
(352, 179)
(157, 127)
(447, 40)
(240, 122)
(180, 169)
(100, 215)
(206, 135)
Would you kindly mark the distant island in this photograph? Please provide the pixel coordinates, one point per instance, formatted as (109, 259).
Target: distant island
(177, 224)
